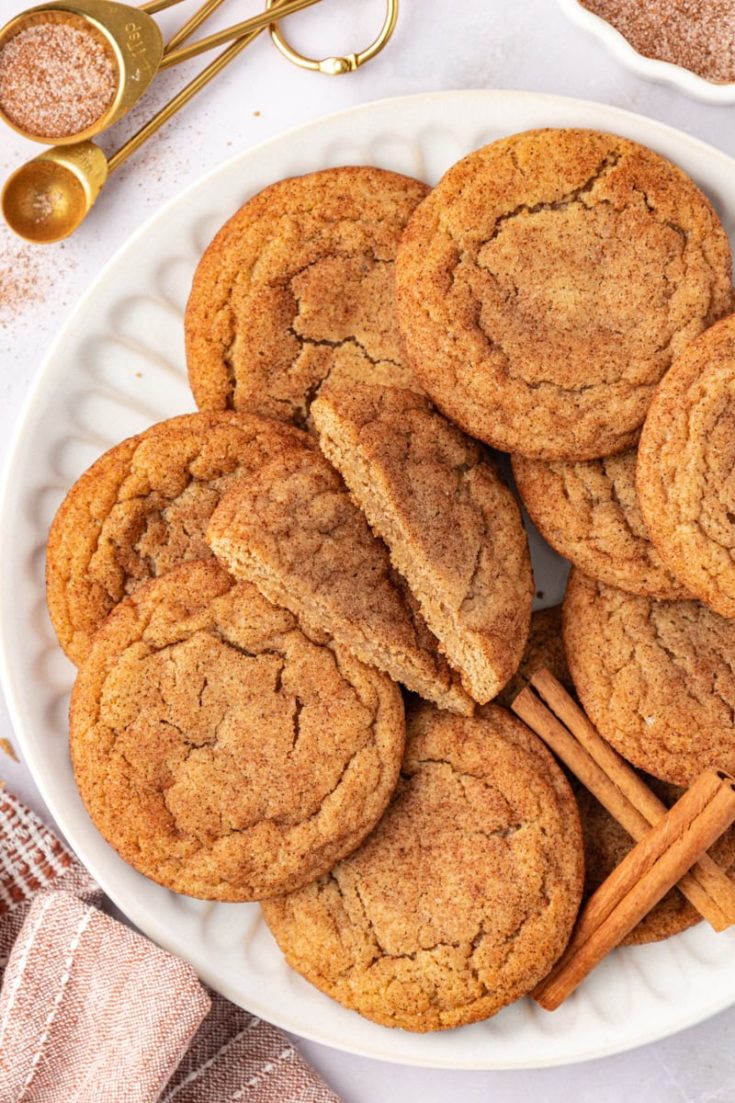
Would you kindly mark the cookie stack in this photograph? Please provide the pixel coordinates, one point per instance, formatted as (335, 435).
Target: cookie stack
(299, 615)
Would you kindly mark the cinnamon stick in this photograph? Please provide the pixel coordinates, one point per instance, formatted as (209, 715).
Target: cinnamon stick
(643, 877)
(646, 803)
(618, 788)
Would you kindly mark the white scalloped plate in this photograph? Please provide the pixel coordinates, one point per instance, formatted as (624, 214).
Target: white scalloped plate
(117, 366)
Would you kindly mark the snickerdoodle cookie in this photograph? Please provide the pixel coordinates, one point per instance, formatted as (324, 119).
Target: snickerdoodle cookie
(686, 468)
(296, 291)
(292, 530)
(453, 528)
(544, 651)
(142, 508)
(657, 678)
(548, 282)
(465, 894)
(589, 513)
(220, 750)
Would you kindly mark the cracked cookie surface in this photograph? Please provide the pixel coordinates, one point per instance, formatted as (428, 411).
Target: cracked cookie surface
(657, 678)
(589, 513)
(221, 751)
(142, 508)
(453, 528)
(296, 292)
(686, 468)
(464, 895)
(547, 283)
(292, 530)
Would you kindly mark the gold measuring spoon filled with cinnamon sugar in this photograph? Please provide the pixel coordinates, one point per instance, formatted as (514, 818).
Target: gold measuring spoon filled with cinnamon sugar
(47, 198)
(70, 70)
(120, 46)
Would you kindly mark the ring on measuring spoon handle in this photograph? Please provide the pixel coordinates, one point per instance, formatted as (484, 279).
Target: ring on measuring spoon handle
(335, 66)
(131, 41)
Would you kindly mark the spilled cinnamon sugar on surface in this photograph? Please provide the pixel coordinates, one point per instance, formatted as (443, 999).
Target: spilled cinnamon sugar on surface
(696, 34)
(22, 276)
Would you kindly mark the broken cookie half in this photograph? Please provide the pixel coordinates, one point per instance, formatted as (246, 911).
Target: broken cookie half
(453, 528)
(293, 530)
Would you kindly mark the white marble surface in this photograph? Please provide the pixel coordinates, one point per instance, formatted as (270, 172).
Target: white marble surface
(439, 44)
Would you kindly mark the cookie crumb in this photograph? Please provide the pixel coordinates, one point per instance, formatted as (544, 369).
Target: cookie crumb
(8, 748)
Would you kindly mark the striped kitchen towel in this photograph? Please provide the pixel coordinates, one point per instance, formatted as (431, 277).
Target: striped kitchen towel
(92, 1012)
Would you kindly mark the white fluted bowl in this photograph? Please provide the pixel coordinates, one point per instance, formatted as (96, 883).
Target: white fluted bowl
(659, 72)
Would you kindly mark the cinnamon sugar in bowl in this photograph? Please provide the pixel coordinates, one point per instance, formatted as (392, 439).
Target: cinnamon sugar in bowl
(683, 41)
(59, 76)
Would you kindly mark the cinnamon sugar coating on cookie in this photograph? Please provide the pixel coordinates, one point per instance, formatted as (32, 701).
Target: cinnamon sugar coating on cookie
(142, 508)
(453, 528)
(544, 651)
(589, 513)
(293, 531)
(686, 462)
(464, 895)
(296, 292)
(547, 284)
(219, 749)
(657, 678)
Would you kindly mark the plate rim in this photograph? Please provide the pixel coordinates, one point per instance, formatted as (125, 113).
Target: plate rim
(133, 909)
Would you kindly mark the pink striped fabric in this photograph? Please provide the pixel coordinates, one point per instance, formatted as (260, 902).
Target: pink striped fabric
(84, 1012)
(32, 859)
(92, 1012)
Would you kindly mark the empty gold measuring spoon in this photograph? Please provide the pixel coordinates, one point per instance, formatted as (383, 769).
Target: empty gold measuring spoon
(133, 44)
(46, 199)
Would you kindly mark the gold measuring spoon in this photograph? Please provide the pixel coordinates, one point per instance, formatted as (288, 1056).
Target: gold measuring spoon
(133, 44)
(46, 199)
(130, 38)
